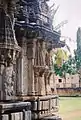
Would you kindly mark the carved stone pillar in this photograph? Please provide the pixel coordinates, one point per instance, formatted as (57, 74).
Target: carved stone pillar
(40, 67)
(39, 80)
(36, 75)
(22, 75)
(1, 80)
(31, 46)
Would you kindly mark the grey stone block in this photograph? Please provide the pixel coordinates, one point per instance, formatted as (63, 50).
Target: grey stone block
(27, 115)
(17, 116)
(52, 118)
(5, 117)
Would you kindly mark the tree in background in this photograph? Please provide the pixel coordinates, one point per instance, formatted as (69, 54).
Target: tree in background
(66, 64)
(62, 63)
(73, 64)
(78, 51)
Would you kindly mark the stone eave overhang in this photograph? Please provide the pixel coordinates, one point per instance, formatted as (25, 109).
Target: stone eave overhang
(59, 44)
(37, 31)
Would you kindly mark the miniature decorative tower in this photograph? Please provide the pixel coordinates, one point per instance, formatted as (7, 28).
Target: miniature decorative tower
(8, 50)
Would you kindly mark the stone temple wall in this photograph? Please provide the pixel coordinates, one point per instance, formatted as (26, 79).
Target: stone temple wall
(27, 84)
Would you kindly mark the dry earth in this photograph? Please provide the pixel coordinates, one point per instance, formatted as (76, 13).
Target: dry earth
(71, 115)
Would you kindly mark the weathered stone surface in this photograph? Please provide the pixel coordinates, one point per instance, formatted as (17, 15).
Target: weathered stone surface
(31, 62)
(32, 69)
(52, 118)
(17, 116)
(22, 76)
(15, 111)
(27, 115)
(41, 86)
(8, 83)
(5, 117)
(8, 49)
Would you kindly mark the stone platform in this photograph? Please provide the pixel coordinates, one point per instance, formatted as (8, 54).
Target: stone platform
(15, 111)
(52, 118)
(42, 106)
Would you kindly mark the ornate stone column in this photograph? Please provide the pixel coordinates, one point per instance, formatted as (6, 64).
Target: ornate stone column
(40, 67)
(31, 46)
(22, 66)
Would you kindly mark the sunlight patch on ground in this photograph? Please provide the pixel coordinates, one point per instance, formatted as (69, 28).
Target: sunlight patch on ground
(70, 108)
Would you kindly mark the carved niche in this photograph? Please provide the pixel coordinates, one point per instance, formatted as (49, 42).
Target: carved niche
(8, 74)
(8, 83)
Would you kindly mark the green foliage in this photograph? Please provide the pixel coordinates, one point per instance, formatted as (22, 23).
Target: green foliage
(68, 67)
(78, 51)
(73, 65)
(58, 70)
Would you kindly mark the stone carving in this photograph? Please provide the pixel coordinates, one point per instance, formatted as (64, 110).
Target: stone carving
(2, 59)
(21, 12)
(7, 72)
(7, 48)
(7, 21)
(44, 7)
(8, 82)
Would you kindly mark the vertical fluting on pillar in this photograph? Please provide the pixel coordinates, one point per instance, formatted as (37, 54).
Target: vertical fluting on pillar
(31, 45)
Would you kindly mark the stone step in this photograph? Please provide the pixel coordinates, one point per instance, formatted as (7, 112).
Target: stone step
(52, 118)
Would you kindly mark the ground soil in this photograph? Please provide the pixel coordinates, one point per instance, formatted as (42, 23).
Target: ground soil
(71, 115)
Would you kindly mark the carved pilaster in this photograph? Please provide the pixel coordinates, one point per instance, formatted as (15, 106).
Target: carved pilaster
(39, 80)
(50, 84)
(31, 49)
(8, 83)
(22, 75)
(7, 71)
